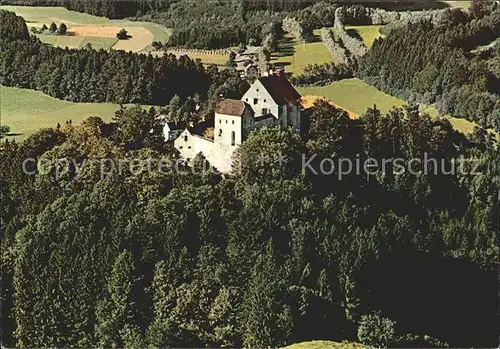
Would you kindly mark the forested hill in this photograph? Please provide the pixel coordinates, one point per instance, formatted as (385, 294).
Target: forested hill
(436, 63)
(88, 75)
(272, 255)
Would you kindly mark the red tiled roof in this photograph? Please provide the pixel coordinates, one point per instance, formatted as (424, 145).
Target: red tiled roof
(233, 107)
(280, 88)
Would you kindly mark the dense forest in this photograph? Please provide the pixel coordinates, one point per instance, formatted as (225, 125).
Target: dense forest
(436, 63)
(95, 254)
(110, 240)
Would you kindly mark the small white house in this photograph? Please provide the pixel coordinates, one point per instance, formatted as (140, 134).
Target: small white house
(172, 130)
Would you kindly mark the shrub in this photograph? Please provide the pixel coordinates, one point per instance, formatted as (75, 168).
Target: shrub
(122, 34)
(62, 29)
(53, 27)
(4, 129)
(376, 331)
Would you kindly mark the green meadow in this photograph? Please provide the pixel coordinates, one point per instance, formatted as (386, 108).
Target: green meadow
(294, 56)
(356, 96)
(27, 111)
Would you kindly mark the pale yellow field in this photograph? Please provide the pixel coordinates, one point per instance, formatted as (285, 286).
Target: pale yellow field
(84, 28)
(139, 37)
(308, 101)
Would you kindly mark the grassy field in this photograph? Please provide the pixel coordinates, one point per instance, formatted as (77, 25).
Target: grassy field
(78, 41)
(325, 345)
(210, 59)
(142, 33)
(368, 33)
(26, 111)
(461, 4)
(356, 96)
(294, 55)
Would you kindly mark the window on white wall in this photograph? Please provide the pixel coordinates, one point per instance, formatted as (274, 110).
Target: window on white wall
(255, 100)
(185, 138)
(264, 111)
(220, 132)
(233, 138)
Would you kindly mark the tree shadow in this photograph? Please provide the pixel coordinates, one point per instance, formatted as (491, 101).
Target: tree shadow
(450, 299)
(286, 47)
(281, 64)
(354, 33)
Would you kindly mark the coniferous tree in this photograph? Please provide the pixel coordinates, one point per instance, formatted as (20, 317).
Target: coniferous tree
(116, 314)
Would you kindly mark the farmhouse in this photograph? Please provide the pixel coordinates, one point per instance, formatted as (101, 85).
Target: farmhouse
(271, 100)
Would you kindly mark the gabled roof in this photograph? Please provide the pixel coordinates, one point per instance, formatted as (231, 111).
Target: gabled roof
(280, 89)
(233, 107)
(242, 58)
(252, 50)
(176, 125)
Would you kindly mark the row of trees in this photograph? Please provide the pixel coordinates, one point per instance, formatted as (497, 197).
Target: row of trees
(271, 255)
(294, 27)
(335, 47)
(353, 45)
(53, 29)
(433, 65)
(323, 74)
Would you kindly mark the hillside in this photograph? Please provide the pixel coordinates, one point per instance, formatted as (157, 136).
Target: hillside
(27, 111)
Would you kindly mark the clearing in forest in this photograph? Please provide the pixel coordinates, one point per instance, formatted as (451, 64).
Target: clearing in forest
(27, 111)
(294, 56)
(308, 101)
(83, 28)
(355, 96)
(367, 33)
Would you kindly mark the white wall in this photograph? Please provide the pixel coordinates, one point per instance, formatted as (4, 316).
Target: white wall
(264, 99)
(219, 155)
(228, 124)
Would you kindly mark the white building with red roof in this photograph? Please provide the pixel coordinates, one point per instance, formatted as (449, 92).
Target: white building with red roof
(271, 100)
